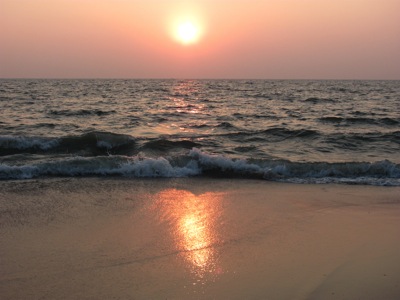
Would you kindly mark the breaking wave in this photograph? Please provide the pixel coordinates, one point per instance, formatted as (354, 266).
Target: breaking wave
(198, 163)
(92, 143)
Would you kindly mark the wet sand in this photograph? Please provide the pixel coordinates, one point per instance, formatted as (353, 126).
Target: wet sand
(197, 238)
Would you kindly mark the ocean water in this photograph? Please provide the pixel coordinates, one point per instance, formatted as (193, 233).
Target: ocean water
(291, 131)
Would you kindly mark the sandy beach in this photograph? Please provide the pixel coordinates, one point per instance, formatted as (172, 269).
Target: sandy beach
(197, 238)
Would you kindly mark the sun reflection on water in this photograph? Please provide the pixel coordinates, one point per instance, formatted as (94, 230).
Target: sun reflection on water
(186, 108)
(185, 97)
(193, 220)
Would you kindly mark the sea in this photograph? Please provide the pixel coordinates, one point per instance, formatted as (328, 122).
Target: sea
(306, 131)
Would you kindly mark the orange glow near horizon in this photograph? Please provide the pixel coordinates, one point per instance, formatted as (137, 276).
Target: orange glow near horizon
(193, 220)
(200, 39)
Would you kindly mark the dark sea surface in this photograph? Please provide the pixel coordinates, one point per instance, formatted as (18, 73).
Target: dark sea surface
(291, 131)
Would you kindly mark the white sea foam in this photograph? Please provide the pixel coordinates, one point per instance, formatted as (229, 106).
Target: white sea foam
(109, 140)
(103, 166)
(198, 163)
(159, 167)
(21, 142)
(224, 163)
(18, 172)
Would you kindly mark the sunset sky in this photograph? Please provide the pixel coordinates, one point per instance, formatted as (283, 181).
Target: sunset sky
(270, 39)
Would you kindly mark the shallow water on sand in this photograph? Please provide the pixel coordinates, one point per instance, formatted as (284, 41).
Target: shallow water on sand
(197, 238)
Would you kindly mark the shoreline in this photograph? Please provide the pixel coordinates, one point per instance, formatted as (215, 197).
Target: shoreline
(197, 238)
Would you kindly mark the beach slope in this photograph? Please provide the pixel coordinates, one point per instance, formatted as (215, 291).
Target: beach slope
(197, 238)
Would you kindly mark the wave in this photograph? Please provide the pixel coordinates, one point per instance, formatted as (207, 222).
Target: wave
(97, 143)
(284, 170)
(361, 120)
(198, 163)
(273, 134)
(315, 100)
(11, 144)
(165, 145)
(97, 166)
(337, 140)
(81, 112)
(92, 143)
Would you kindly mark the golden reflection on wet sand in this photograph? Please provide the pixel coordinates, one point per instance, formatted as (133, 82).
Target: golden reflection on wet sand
(192, 220)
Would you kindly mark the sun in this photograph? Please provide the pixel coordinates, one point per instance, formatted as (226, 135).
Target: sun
(187, 33)
(186, 26)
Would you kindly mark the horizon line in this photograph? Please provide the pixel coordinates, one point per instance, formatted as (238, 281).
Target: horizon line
(194, 78)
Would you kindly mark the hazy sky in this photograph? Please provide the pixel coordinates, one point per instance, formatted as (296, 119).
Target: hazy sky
(285, 39)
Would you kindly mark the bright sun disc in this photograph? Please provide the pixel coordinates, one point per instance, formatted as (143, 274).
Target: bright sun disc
(187, 33)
